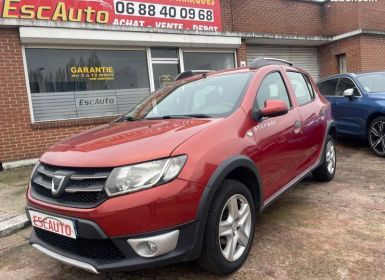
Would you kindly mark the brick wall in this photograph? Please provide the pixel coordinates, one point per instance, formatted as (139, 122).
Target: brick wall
(227, 16)
(363, 53)
(342, 17)
(328, 56)
(301, 18)
(275, 16)
(242, 53)
(339, 18)
(19, 139)
(372, 53)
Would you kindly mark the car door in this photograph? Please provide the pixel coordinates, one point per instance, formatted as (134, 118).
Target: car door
(278, 139)
(348, 111)
(312, 114)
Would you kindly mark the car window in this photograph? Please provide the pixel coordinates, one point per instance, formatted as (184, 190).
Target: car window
(372, 82)
(272, 88)
(344, 84)
(302, 90)
(328, 88)
(214, 96)
(310, 86)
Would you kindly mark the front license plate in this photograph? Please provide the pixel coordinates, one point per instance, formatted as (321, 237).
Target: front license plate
(53, 224)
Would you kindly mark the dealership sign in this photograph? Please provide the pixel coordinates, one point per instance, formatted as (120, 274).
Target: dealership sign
(173, 14)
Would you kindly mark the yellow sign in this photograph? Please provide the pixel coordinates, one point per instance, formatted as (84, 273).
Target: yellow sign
(93, 73)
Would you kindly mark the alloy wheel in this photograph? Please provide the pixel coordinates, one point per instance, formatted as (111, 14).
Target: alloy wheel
(235, 228)
(377, 137)
(330, 157)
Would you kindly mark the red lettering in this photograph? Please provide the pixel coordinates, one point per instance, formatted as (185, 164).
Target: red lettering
(68, 230)
(36, 221)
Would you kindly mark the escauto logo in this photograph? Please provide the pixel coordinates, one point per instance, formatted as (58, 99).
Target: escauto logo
(61, 10)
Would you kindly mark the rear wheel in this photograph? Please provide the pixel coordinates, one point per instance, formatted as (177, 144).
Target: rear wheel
(327, 170)
(376, 136)
(230, 229)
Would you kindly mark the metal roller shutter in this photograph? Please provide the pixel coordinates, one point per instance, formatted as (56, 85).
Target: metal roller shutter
(303, 57)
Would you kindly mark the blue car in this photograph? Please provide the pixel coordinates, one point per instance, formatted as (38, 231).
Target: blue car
(358, 105)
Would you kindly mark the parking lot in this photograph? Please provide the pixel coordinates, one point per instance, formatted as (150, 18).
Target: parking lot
(315, 231)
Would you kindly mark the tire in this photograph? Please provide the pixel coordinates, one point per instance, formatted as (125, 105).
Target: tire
(326, 171)
(217, 256)
(376, 136)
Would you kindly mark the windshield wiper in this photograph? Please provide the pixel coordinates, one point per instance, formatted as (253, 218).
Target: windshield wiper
(187, 116)
(131, 119)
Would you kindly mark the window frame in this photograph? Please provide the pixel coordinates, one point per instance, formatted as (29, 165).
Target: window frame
(55, 47)
(255, 104)
(311, 90)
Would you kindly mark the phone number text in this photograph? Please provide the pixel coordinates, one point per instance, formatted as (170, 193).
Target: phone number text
(163, 11)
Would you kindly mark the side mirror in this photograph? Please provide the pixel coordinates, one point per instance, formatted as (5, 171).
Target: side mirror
(273, 108)
(348, 92)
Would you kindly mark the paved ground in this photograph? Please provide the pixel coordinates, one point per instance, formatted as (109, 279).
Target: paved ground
(13, 185)
(315, 231)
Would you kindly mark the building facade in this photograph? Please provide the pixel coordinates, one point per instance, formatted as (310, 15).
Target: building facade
(66, 66)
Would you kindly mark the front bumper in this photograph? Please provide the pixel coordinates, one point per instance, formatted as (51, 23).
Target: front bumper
(95, 252)
(151, 210)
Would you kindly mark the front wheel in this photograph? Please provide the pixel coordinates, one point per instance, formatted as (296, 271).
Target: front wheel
(326, 171)
(376, 135)
(230, 229)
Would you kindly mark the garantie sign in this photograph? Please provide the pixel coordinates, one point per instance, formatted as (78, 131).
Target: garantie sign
(173, 14)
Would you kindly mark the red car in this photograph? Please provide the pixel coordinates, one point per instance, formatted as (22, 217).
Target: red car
(183, 176)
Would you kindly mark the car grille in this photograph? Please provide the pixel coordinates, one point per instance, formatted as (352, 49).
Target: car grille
(100, 249)
(84, 188)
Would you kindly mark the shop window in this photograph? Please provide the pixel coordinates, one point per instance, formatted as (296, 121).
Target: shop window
(208, 61)
(77, 83)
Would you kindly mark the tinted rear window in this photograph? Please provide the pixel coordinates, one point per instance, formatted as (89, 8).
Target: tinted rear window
(328, 88)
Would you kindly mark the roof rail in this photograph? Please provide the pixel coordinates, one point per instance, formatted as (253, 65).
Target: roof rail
(260, 62)
(190, 73)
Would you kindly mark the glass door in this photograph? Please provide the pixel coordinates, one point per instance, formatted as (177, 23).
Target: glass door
(165, 66)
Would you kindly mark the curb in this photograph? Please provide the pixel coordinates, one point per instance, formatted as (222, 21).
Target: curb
(12, 223)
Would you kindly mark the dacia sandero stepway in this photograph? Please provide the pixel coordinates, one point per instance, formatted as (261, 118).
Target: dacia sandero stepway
(184, 174)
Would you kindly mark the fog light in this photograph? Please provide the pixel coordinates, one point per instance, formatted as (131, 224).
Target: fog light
(152, 246)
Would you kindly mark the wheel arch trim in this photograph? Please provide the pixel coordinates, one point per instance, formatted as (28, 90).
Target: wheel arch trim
(229, 166)
(221, 172)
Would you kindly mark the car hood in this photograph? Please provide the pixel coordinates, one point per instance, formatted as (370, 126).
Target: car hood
(118, 144)
(378, 96)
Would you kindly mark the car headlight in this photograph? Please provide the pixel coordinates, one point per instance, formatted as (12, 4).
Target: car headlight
(141, 176)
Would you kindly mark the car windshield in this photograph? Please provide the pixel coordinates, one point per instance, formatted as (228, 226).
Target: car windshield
(372, 83)
(207, 97)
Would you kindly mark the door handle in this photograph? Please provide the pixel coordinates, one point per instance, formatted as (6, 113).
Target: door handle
(297, 127)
